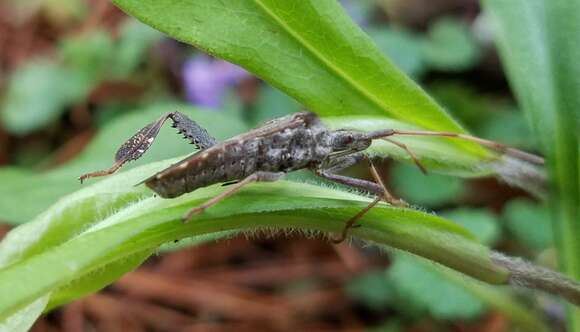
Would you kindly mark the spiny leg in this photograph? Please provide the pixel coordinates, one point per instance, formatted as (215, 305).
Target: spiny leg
(136, 146)
(256, 177)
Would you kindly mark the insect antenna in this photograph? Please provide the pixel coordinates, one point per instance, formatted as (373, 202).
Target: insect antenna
(502, 148)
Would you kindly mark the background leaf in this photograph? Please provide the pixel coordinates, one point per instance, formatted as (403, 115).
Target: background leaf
(38, 94)
(529, 222)
(539, 51)
(43, 189)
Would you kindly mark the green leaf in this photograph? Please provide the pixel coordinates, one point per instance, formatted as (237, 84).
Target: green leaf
(408, 284)
(23, 320)
(539, 46)
(480, 222)
(529, 222)
(88, 54)
(508, 126)
(450, 46)
(135, 40)
(425, 288)
(272, 103)
(403, 47)
(428, 190)
(372, 290)
(38, 94)
(112, 221)
(43, 189)
(308, 49)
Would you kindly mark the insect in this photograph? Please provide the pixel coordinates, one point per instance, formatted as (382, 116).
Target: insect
(293, 142)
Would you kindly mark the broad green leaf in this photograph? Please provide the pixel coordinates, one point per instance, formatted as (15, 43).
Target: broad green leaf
(23, 320)
(43, 189)
(112, 220)
(308, 49)
(540, 50)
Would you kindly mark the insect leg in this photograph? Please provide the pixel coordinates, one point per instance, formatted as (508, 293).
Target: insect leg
(350, 223)
(256, 177)
(409, 152)
(379, 189)
(136, 146)
(389, 198)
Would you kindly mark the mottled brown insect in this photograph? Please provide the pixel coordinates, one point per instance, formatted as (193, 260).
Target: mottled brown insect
(286, 144)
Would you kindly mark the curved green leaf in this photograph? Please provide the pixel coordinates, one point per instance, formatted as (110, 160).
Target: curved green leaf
(115, 221)
(309, 49)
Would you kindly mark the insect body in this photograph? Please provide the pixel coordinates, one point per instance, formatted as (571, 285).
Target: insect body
(280, 146)
(296, 141)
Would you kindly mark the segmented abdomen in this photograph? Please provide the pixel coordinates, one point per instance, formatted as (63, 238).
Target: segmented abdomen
(235, 159)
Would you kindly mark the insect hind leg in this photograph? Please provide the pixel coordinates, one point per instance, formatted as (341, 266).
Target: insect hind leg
(255, 177)
(139, 143)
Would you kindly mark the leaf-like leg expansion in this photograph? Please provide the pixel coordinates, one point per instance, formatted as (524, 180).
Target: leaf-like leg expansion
(256, 177)
(136, 146)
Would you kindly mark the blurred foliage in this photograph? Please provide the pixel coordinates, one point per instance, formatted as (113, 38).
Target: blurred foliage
(272, 103)
(480, 222)
(38, 94)
(529, 222)
(432, 190)
(40, 91)
(448, 46)
(43, 189)
(540, 52)
(408, 283)
(59, 12)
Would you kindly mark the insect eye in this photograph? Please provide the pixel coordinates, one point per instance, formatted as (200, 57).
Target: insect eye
(349, 139)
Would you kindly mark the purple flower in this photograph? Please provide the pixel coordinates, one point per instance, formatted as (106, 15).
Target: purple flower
(207, 80)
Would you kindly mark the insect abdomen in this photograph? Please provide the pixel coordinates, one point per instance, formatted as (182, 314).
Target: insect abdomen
(224, 162)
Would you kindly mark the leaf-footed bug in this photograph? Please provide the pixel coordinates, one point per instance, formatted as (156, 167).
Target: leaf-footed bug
(293, 142)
